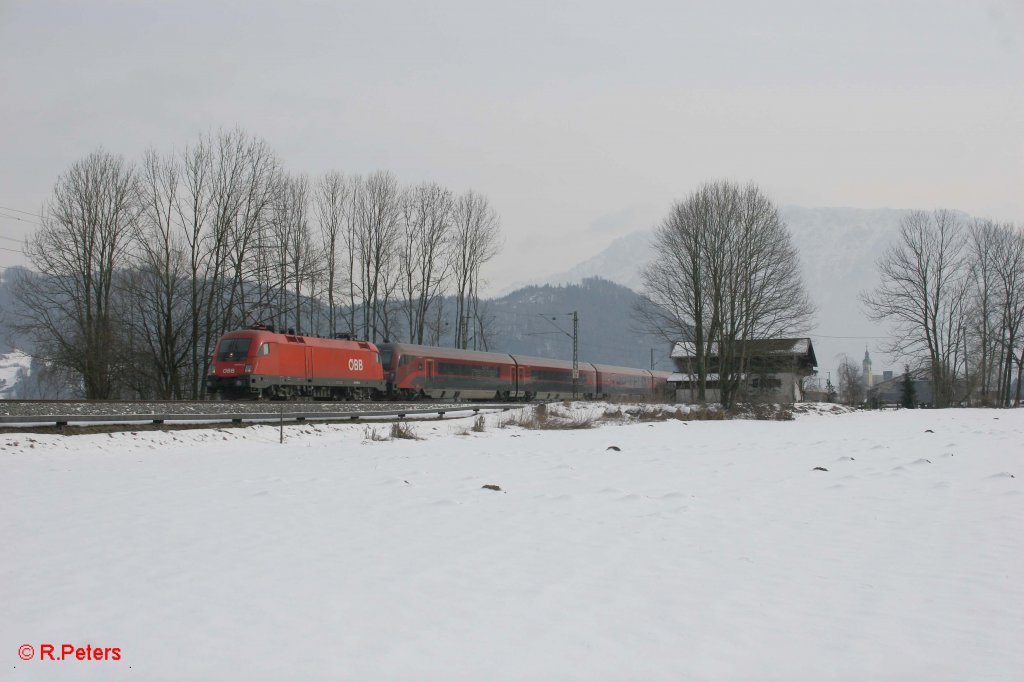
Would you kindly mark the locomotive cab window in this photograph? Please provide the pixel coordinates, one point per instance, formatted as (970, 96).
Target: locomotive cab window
(233, 349)
(264, 349)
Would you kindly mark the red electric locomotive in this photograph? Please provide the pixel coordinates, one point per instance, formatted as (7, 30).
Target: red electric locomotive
(258, 363)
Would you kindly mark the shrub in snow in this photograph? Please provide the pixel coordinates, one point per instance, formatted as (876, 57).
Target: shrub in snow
(404, 431)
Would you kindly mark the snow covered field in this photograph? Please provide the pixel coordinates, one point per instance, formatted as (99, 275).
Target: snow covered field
(697, 551)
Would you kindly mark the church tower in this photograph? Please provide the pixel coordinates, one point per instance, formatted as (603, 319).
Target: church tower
(869, 379)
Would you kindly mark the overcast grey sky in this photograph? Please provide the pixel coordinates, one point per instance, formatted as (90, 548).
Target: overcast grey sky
(580, 121)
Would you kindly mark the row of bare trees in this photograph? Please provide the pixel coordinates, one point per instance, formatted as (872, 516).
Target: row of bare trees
(953, 292)
(725, 274)
(139, 269)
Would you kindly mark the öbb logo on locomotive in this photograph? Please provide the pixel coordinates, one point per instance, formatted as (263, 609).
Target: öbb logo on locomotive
(259, 363)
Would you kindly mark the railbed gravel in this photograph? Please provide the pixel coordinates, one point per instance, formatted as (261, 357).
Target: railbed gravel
(19, 408)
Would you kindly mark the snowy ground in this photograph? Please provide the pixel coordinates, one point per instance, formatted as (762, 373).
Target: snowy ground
(697, 551)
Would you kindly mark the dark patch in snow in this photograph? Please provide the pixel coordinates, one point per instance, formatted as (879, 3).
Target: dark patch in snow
(491, 486)
(819, 469)
(616, 448)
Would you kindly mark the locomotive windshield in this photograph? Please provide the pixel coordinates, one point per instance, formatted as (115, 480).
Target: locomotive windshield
(233, 349)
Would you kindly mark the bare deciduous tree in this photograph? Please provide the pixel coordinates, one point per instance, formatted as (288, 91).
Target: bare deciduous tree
(851, 382)
(984, 243)
(375, 239)
(924, 294)
(726, 273)
(426, 225)
(477, 239)
(157, 286)
(83, 242)
(331, 204)
(292, 244)
(1008, 267)
(193, 210)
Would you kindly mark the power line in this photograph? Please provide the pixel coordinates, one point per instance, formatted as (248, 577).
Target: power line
(4, 248)
(17, 210)
(23, 220)
(11, 239)
(826, 336)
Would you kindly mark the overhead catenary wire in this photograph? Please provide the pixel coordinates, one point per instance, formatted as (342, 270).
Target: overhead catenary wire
(827, 336)
(18, 210)
(20, 220)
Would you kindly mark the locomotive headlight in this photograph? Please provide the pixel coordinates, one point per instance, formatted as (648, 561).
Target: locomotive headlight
(248, 369)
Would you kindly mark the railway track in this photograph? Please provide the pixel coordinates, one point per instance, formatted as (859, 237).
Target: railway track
(29, 413)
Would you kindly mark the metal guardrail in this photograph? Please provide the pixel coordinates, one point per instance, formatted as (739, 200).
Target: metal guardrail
(237, 418)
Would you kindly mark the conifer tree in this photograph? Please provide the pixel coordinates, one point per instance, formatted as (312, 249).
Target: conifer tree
(909, 393)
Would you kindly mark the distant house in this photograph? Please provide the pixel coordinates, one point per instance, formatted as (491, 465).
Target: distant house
(775, 370)
(891, 390)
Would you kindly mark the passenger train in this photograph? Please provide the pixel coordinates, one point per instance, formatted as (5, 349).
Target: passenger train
(260, 363)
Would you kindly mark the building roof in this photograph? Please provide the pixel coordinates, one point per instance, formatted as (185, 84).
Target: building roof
(800, 346)
(917, 375)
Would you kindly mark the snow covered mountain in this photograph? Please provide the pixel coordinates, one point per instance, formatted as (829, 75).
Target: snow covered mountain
(838, 251)
(619, 263)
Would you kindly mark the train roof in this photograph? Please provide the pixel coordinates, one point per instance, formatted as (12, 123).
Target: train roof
(622, 370)
(267, 335)
(550, 362)
(525, 360)
(446, 353)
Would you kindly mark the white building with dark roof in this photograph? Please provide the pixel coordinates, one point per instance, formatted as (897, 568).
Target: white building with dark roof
(774, 370)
